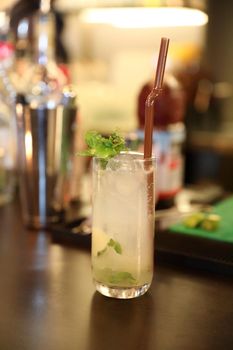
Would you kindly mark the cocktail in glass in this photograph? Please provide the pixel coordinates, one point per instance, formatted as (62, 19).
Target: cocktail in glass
(123, 225)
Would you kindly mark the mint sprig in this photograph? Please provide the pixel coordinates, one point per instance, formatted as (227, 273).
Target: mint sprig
(103, 147)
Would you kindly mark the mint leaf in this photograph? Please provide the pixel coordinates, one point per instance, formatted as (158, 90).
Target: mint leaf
(113, 244)
(117, 278)
(86, 152)
(121, 277)
(92, 138)
(101, 252)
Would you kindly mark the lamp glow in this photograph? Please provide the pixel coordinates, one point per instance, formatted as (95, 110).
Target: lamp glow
(136, 17)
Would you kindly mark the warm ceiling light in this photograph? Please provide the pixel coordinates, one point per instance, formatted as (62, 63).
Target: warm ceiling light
(136, 17)
(2, 18)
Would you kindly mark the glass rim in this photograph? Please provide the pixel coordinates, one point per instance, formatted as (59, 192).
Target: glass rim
(136, 153)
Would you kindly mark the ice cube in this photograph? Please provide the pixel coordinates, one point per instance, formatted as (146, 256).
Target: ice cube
(123, 162)
(124, 175)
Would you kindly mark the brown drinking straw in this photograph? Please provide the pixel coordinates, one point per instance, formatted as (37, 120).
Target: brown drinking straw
(149, 116)
(154, 94)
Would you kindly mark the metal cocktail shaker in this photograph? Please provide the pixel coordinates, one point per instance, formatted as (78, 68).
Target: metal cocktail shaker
(46, 130)
(46, 134)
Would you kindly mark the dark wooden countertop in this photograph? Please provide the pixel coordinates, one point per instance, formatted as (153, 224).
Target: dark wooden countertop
(47, 301)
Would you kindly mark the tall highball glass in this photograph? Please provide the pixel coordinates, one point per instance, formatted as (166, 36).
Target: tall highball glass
(123, 225)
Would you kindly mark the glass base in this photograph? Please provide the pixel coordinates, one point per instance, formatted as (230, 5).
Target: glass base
(121, 292)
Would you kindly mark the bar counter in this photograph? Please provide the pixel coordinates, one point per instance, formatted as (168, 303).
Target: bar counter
(48, 301)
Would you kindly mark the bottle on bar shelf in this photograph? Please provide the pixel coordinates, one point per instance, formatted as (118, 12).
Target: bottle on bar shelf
(168, 137)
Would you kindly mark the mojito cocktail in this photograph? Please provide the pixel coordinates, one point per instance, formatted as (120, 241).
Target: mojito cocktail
(123, 225)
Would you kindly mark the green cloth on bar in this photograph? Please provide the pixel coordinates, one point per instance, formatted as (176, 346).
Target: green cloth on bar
(224, 233)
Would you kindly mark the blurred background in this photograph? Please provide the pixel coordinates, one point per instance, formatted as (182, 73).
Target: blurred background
(108, 50)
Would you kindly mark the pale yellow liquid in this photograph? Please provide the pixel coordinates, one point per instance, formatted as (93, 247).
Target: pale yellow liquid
(120, 213)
